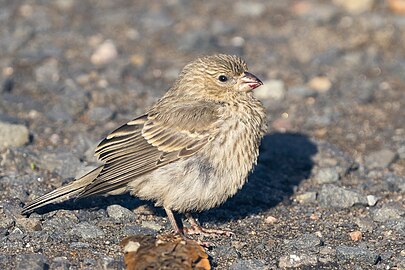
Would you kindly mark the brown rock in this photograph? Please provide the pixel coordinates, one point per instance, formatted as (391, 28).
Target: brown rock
(163, 252)
(356, 236)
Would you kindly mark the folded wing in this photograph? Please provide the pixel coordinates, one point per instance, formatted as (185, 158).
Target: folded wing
(151, 141)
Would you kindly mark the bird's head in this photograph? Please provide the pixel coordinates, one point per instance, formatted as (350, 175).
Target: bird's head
(218, 76)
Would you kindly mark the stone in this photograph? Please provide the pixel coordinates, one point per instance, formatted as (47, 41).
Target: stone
(297, 260)
(30, 224)
(356, 236)
(120, 213)
(307, 197)
(31, 262)
(337, 197)
(372, 200)
(60, 263)
(136, 229)
(13, 135)
(109, 263)
(397, 6)
(6, 224)
(355, 6)
(105, 53)
(326, 175)
(365, 224)
(271, 89)
(151, 225)
(380, 159)
(16, 235)
(303, 242)
(387, 213)
(251, 9)
(396, 182)
(79, 245)
(241, 264)
(320, 84)
(401, 152)
(87, 231)
(271, 220)
(346, 254)
(61, 220)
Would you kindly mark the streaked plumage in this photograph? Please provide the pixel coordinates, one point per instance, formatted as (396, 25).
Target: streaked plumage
(191, 151)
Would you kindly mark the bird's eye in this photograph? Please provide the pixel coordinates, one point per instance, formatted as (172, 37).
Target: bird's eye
(222, 78)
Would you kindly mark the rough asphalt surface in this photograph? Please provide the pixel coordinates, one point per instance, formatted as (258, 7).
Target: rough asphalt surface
(329, 189)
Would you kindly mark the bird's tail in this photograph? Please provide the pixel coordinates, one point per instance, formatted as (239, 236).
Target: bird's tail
(63, 193)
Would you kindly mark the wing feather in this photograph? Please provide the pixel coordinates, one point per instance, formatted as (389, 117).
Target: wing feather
(149, 142)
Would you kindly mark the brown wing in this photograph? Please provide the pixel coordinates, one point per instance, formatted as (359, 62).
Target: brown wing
(151, 141)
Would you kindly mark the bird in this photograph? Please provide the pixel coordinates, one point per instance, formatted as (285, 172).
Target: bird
(190, 152)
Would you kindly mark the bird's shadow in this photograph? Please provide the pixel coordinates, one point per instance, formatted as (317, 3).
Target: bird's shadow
(285, 160)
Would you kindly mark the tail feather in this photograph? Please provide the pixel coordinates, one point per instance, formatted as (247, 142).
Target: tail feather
(63, 193)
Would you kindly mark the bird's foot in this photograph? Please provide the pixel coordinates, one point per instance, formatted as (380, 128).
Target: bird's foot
(197, 229)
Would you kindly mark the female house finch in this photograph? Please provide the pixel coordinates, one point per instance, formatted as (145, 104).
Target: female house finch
(190, 152)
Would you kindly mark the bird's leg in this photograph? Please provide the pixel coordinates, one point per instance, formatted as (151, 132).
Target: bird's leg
(173, 221)
(197, 229)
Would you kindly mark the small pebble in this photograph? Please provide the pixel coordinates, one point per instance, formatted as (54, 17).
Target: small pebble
(397, 6)
(120, 213)
(337, 197)
(304, 242)
(87, 231)
(151, 225)
(401, 150)
(308, 197)
(241, 264)
(365, 224)
(271, 220)
(31, 262)
(355, 6)
(105, 53)
(356, 236)
(326, 175)
(13, 135)
(31, 224)
(346, 254)
(372, 200)
(251, 9)
(297, 260)
(320, 84)
(60, 263)
(6, 224)
(380, 159)
(388, 213)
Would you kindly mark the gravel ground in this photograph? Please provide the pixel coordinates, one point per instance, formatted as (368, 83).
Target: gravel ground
(328, 192)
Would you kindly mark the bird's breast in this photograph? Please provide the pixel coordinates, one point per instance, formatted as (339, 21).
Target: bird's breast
(234, 151)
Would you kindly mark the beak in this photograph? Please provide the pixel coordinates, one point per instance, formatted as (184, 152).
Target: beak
(248, 82)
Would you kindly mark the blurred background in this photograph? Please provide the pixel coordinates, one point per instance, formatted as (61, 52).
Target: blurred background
(333, 72)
